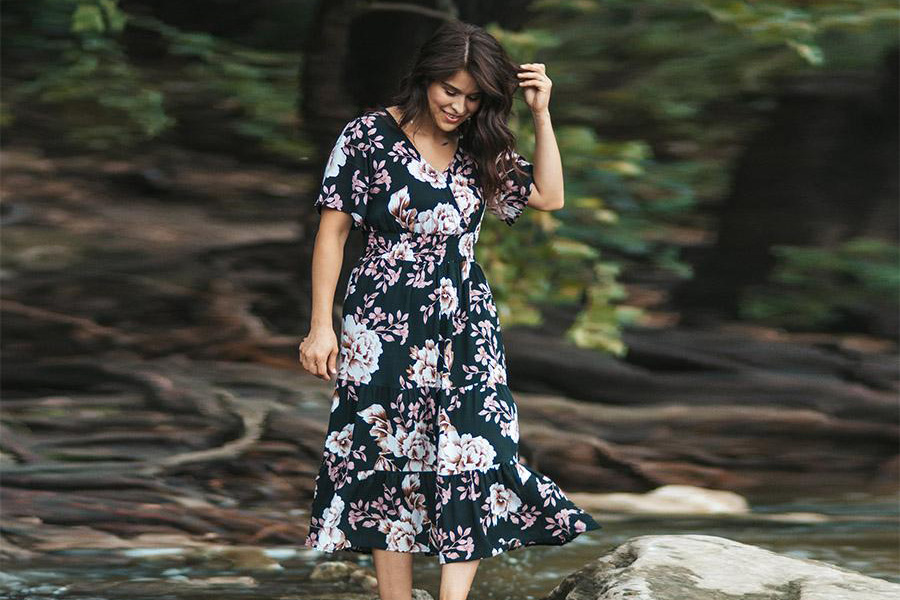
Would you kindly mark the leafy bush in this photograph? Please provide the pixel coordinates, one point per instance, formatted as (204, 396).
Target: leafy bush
(816, 288)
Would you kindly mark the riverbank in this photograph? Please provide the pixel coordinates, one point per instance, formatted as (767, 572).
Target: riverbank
(152, 396)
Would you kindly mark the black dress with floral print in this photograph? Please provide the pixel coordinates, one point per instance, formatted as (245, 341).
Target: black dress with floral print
(421, 452)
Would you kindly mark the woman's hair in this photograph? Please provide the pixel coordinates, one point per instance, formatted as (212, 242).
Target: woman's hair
(456, 46)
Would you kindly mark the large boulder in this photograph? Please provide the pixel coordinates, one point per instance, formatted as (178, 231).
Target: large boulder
(706, 567)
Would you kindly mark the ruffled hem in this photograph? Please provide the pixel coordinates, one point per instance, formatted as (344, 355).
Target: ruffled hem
(382, 545)
(503, 507)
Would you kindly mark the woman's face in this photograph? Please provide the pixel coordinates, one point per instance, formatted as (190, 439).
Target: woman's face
(456, 96)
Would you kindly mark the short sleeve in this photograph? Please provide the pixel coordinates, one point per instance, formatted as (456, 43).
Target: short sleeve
(345, 183)
(515, 189)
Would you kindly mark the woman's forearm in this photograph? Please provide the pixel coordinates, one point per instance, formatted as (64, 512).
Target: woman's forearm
(548, 171)
(328, 257)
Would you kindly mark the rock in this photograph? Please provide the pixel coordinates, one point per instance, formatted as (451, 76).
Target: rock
(666, 499)
(152, 587)
(365, 578)
(333, 570)
(342, 571)
(243, 557)
(705, 567)
(11, 582)
(229, 580)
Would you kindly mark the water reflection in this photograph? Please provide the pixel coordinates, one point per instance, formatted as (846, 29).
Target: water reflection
(863, 536)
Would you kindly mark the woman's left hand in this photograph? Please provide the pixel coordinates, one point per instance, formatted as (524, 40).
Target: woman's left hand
(533, 78)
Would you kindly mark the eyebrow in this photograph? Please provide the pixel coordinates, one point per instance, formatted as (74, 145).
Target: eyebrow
(456, 89)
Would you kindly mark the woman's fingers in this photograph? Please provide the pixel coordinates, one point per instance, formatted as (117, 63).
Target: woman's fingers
(313, 364)
(318, 355)
(322, 366)
(332, 363)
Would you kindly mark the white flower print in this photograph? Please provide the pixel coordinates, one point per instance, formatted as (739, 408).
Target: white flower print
(337, 158)
(448, 296)
(340, 442)
(401, 535)
(424, 371)
(402, 250)
(415, 444)
(446, 382)
(502, 501)
(330, 537)
(401, 532)
(459, 453)
(506, 211)
(467, 246)
(496, 374)
(465, 198)
(511, 429)
(410, 485)
(495, 409)
(443, 219)
(332, 515)
(360, 351)
(417, 447)
(524, 473)
(399, 205)
(448, 219)
(422, 171)
(514, 191)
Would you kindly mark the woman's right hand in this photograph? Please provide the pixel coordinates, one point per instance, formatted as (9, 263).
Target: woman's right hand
(318, 353)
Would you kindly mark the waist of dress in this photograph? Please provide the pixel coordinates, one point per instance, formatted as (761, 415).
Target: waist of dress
(411, 246)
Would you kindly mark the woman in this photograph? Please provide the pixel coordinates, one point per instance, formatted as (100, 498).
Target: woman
(421, 454)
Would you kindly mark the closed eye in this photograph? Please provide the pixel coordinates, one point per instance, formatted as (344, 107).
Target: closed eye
(452, 93)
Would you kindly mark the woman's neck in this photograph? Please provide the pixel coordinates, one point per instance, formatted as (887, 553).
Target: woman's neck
(427, 129)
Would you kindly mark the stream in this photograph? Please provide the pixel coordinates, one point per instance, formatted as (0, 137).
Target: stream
(861, 533)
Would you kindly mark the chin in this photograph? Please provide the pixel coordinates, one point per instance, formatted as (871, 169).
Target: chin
(438, 118)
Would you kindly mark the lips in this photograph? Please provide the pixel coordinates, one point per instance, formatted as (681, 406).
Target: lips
(452, 118)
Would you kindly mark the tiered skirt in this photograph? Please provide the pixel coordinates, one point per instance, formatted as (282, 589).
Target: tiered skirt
(421, 452)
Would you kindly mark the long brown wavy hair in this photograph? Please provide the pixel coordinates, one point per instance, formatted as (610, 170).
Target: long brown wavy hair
(485, 135)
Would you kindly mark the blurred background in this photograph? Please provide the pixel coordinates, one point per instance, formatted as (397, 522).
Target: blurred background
(715, 307)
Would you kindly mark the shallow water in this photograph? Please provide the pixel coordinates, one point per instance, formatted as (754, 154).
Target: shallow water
(864, 537)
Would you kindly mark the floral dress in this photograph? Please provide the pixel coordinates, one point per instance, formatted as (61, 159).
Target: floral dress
(421, 451)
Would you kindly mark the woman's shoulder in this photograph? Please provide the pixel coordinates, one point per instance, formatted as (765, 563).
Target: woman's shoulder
(371, 120)
(371, 130)
(366, 126)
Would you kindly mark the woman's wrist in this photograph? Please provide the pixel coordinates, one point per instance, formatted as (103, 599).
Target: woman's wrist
(316, 326)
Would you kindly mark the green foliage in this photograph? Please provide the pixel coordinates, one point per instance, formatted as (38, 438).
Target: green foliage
(76, 66)
(84, 77)
(777, 22)
(652, 99)
(260, 85)
(812, 288)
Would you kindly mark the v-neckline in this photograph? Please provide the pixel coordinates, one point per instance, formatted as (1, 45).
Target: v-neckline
(416, 150)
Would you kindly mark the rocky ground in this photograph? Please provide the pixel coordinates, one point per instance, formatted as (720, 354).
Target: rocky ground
(152, 308)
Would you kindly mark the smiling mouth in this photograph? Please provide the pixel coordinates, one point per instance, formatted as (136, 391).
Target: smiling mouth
(454, 117)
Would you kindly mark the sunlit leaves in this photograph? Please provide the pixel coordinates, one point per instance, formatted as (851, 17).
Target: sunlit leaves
(599, 322)
(103, 100)
(97, 17)
(797, 26)
(820, 287)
